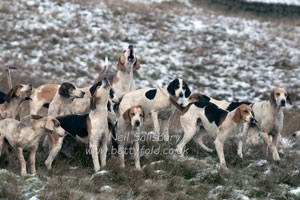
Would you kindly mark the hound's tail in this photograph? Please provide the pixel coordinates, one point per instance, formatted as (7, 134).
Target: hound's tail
(179, 107)
(103, 72)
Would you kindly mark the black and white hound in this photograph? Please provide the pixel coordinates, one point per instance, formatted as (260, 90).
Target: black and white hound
(89, 128)
(218, 123)
(156, 103)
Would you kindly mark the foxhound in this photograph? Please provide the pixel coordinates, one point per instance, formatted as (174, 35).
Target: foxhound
(42, 97)
(123, 81)
(44, 94)
(269, 116)
(157, 104)
(225, 105)
(62, 101)
(88, 127)
(13, 100)
(26, 136)
(128, 131)
(219, 123)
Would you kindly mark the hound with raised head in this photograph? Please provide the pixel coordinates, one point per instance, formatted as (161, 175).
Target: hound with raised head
(269, 116)
(157, 104)
(62, 101)
(123, 81)
(13, 99)
(26, 136)
(89, 128)
(218, 123)
(128, 131)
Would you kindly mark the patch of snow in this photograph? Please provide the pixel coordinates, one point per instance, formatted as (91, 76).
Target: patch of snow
(157, 162)
(295, 191)
(106, 188)
(288, 2)
(101, 173)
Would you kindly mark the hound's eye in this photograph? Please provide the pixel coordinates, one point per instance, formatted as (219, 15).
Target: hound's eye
(245, 111)
(285, 94)
(132, 114)
(277, 94)
(20, 86)
(141, 115)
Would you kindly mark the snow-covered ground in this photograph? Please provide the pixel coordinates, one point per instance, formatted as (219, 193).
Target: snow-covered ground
(288, 2)
(225, 57)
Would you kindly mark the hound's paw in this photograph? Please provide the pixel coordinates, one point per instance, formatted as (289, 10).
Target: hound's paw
(48, 165)
(276, 156)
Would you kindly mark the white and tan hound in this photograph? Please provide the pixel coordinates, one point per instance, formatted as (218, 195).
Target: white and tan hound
(90, 127)
(157, 104)
(25, 136)
(13, 99)
(128, 131)
(269, 116)
(62, 101)
(219, 123)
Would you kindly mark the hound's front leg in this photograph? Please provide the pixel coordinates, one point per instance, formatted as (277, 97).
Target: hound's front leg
(104, 148)
(219, 144)
(56, 144)
(22, 162)
(94, 141)
(32, 160)
(165, 126)
(273, 147)
(154, 116)
(242, 140)
(137, 152)
(122, 153)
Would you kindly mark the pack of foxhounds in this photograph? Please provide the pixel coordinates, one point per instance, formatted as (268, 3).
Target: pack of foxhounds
(112, 111)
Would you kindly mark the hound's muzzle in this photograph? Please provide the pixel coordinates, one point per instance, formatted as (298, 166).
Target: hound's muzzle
(282, 103)
(106, 83)
(131, 53)
(137, 123)
(253, 121)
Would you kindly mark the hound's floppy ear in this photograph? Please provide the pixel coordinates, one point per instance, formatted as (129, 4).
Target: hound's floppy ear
(237, 115)
(288, 98)
(11, 94)
(94, 87)
(49, 124)
(142, 110)
(93, 103)
(64, 90)
(126, 115)
(171, 88)
(136, 65)
(187, 90)
(121, 62)
(272, 99)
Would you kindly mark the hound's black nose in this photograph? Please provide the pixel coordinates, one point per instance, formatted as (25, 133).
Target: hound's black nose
(294, 134)
(180, 95)
(253, 120)
(137, 123)
(282, 103)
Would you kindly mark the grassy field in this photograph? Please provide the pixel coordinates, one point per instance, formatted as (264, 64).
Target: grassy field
(233, 53)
